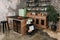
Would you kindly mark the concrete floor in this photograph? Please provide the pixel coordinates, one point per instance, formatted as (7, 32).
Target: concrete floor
(40, 35)
(53, 34)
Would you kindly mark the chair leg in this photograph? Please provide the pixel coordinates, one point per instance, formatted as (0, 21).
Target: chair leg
(7, 27)
(3, 28)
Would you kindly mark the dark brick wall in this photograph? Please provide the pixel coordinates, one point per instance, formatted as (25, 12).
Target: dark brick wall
(22, 3)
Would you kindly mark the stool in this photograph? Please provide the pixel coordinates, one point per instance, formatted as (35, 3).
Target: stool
(5, 26)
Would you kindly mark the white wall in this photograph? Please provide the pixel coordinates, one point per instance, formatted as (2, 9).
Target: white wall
(7, 7)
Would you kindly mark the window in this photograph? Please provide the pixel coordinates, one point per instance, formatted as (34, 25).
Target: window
(37, 21)
(42, 22)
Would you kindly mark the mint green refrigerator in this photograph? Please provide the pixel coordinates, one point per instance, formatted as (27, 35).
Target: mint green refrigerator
(22, 12)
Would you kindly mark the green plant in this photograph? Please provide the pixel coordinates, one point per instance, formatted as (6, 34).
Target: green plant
(52, 14)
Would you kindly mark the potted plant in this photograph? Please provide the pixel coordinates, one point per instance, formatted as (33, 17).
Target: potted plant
(52, 16)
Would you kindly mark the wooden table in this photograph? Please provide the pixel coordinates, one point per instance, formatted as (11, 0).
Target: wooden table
(19, 25)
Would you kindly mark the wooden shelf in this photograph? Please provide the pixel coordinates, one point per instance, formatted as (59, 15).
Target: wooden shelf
(39, 4)
(29, 2)
(38, 1)
(36, 11)
(44, 1)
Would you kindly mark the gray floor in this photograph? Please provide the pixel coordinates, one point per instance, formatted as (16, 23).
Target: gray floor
(40, 35)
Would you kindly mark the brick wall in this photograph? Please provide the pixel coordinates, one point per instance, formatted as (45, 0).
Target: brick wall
(56, 4)
(22, 3)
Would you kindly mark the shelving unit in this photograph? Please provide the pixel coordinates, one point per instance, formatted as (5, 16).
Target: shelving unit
(34, 10)
(37, 5)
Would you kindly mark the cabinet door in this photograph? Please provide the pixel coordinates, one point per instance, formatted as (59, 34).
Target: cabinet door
(42, 22)
(17, 26)
(37, 21)
(14, 26)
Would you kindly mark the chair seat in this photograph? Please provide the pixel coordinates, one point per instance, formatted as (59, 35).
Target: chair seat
(5, 26)
(4, 21)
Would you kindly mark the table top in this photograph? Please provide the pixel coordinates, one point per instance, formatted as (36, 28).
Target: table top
(17, 17)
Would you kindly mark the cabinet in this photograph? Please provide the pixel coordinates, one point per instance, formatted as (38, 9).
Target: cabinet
(39, 20)
(19, 25)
